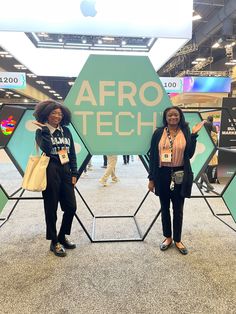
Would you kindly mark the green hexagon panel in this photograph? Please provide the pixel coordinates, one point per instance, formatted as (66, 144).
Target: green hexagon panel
(3, 198)
(205, 148)
(116, 104)
(22, 143)
(229, 197)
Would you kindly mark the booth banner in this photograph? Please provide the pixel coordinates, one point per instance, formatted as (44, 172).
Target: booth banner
(12, 80)
(3, 199)
(10, 116)
(227, 129)
(227, 160)
(116, 103)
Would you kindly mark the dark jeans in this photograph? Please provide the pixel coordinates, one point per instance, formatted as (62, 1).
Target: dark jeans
(59, 190)
(126, 159)
(104, 160)
(166, 196)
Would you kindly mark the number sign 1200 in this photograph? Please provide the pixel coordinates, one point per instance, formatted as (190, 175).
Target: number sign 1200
(9, 80)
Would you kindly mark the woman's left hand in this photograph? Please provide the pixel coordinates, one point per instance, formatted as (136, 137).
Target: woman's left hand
(74, 180)
(197, 127)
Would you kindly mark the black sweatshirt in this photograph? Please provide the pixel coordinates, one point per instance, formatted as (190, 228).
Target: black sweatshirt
(50, 144)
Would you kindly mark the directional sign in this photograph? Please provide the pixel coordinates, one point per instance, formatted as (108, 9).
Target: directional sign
(16, 80)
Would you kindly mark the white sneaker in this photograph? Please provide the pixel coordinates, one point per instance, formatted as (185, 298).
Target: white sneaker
(103, 182)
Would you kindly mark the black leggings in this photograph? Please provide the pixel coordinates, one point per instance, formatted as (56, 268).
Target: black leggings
(166, 196)
(59, 190)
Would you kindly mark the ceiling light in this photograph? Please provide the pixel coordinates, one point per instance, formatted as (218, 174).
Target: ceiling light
(99, 41)
(46, 87)
(84, 41)
(20, 66)
(230, 63)
(196, 17)
(200, 59)
(108, 38)
(42, 34)
(215, 45)
(194, 62)
(71, 83)
(16, 95)
(40, 82)
(52, 91)
(31, 75)
(123, 42)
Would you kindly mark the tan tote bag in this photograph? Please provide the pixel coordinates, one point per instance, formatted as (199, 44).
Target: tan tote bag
(35, 178)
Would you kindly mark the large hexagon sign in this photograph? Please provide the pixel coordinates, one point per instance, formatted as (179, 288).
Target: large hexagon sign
(116, 104)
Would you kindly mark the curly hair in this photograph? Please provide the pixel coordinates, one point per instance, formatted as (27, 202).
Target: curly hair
(182, 123)
(44, 108)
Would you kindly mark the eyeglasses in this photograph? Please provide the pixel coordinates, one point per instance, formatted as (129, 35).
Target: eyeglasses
(59, 114)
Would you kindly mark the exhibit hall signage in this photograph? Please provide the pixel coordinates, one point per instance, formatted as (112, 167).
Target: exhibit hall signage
(172, 84)
(16, 80)
(227, 162)
(116, 103)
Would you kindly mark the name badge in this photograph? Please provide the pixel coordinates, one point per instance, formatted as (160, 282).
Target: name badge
(166, 155)
(63, 156)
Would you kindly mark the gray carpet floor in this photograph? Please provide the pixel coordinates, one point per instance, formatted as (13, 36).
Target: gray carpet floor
(116, 277)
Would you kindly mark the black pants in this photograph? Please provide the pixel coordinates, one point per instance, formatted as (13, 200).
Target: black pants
(126, 159)
(166, 196)
(59, 190)
(104, 160)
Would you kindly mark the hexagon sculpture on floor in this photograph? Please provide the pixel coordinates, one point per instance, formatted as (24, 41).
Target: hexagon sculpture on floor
(116, 103)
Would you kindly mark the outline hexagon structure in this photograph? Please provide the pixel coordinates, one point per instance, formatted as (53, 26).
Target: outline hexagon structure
(3, 198)
(116, 104)
(205, 148)
(229, 197)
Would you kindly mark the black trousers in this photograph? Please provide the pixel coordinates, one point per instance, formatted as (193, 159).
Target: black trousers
(126, 159)
(59, 190)
(166, 196)
(104, 160)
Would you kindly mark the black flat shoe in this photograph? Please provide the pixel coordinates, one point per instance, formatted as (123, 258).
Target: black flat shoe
(164, 247)
(58, 249)
(183, 250)
(68, 244)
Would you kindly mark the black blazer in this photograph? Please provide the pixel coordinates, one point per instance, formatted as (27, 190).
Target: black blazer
(154, 169)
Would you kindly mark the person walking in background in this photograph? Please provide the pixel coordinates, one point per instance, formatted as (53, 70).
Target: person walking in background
(126, 159)
(104, 161)
(211, 170)
(55, 140)
(170, 173)
(207, 176)
(110, 171)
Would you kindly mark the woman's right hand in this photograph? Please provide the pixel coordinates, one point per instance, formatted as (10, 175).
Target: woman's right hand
(151, 186)
(38, 124)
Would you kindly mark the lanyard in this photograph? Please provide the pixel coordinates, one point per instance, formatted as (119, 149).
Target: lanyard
(171, 140)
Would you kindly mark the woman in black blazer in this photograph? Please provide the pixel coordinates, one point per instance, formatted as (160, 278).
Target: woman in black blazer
(170, 173)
